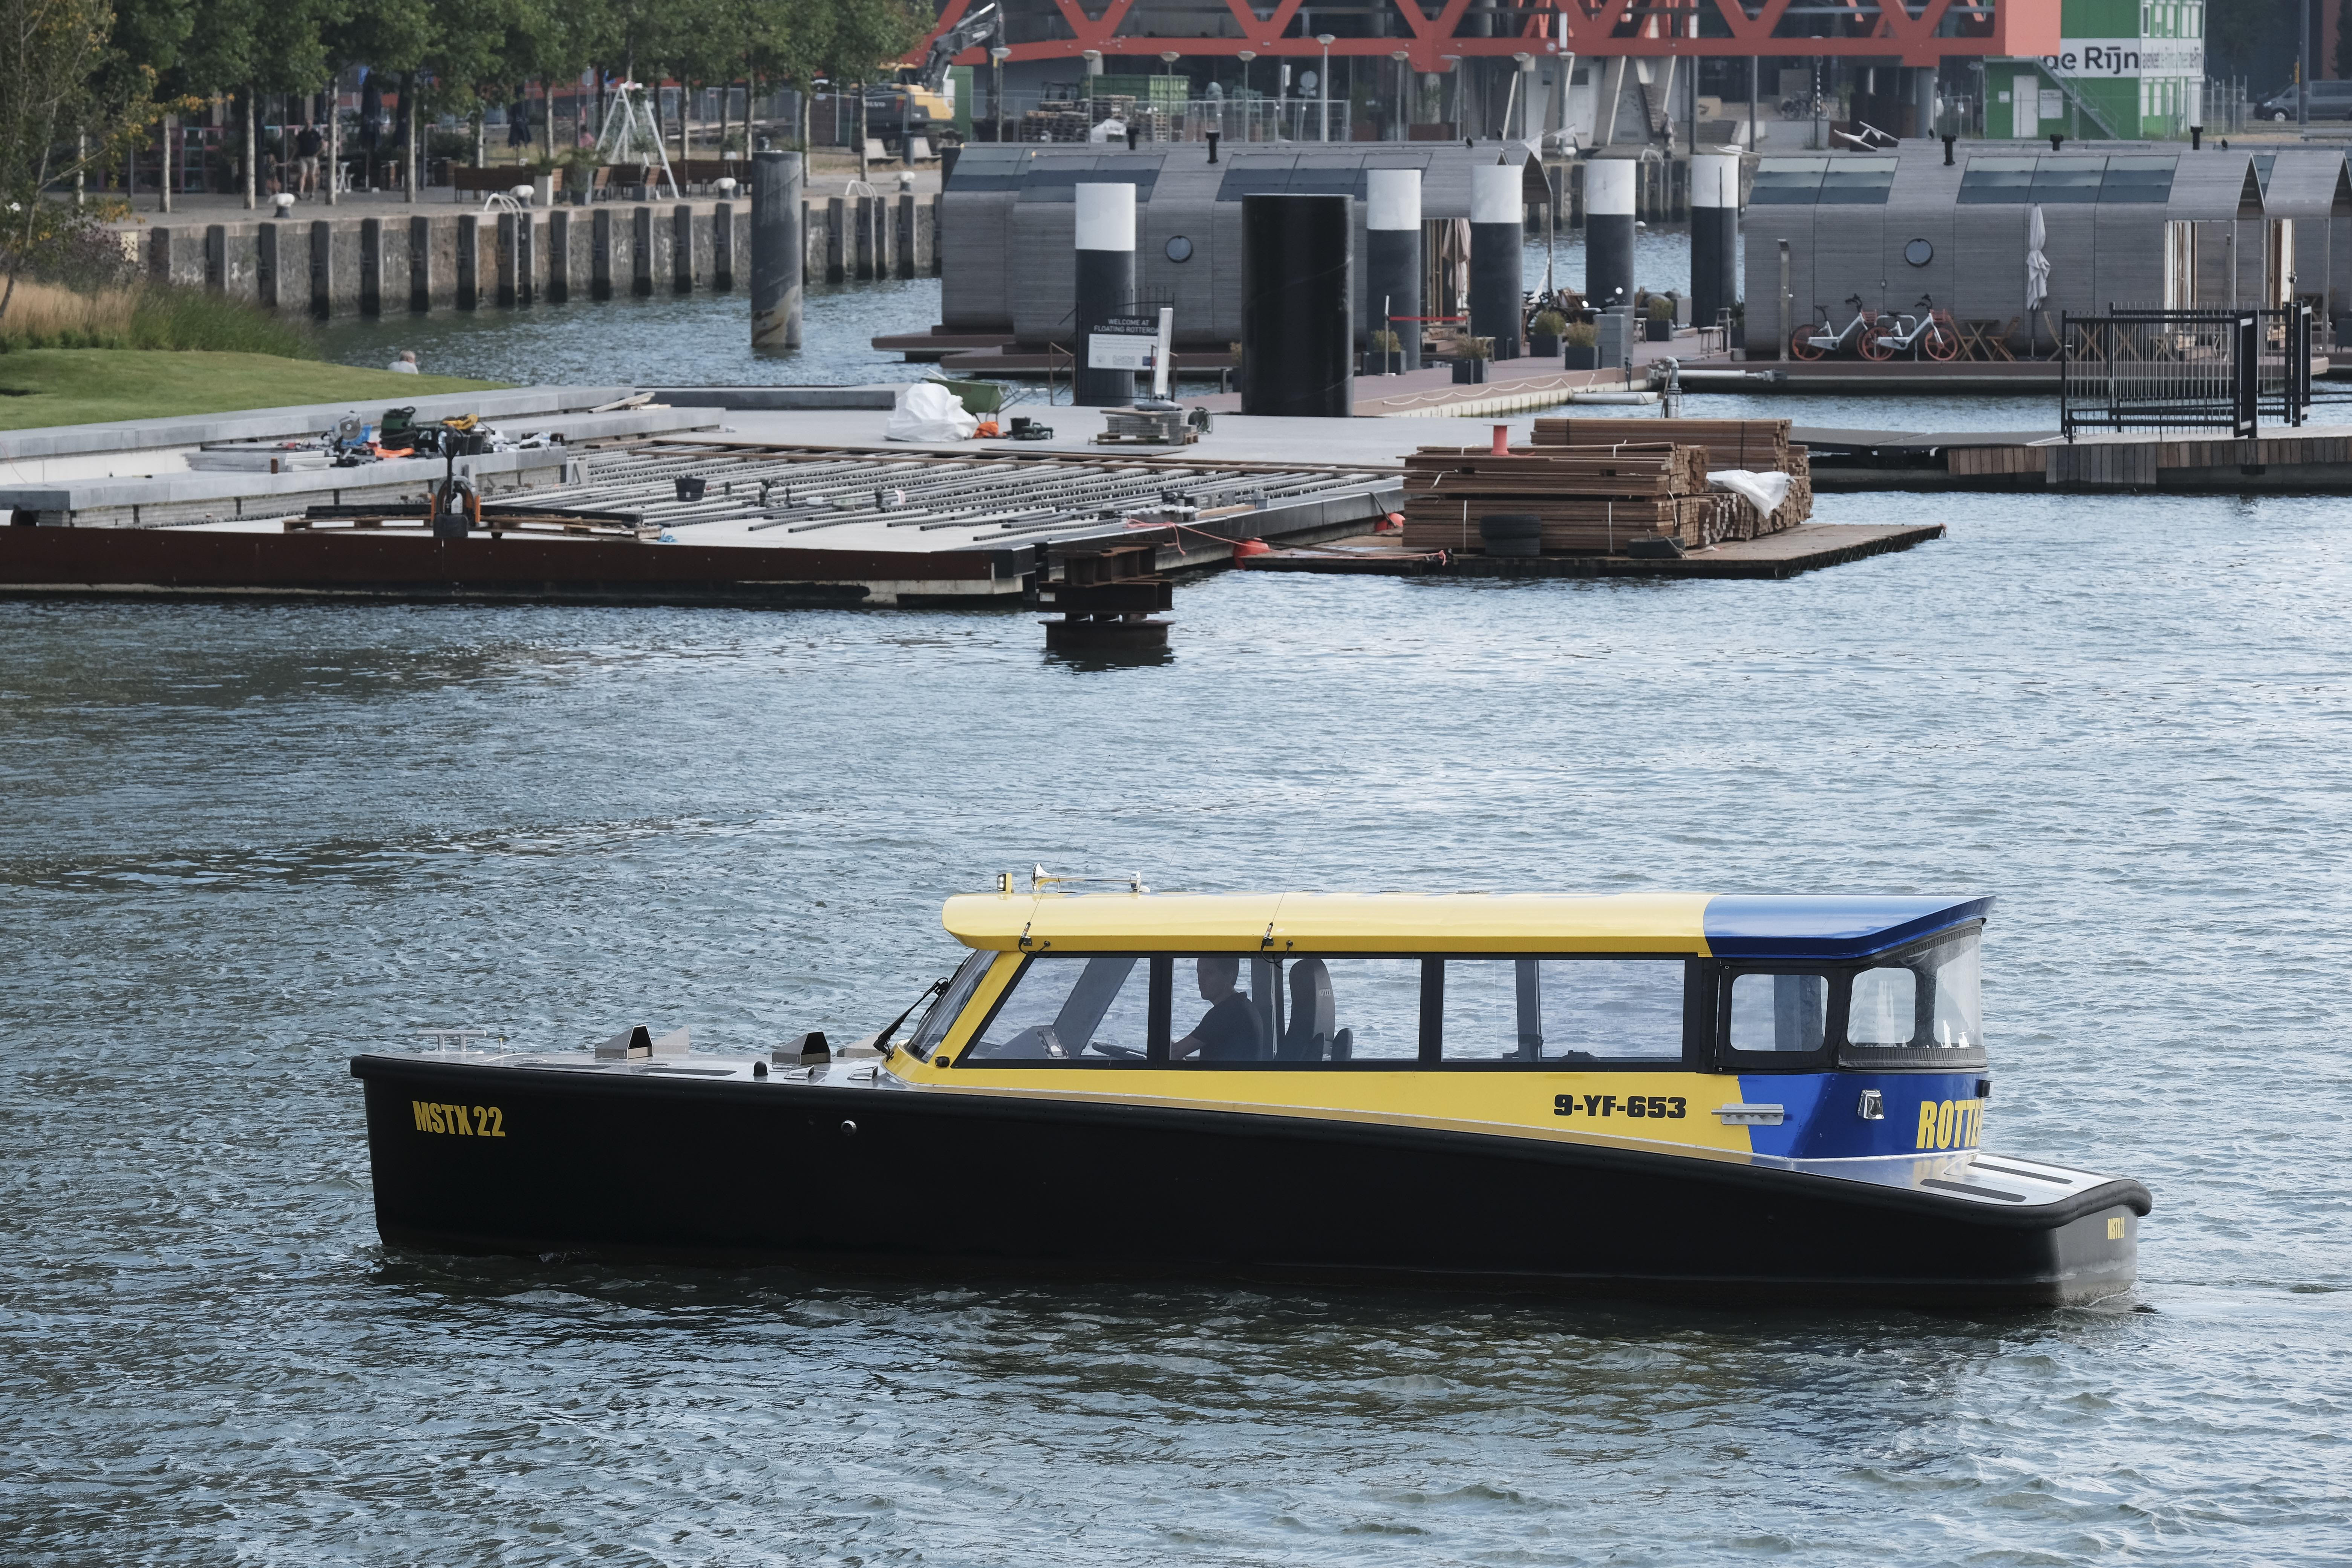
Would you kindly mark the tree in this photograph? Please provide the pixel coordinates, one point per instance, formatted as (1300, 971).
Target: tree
(52, 57)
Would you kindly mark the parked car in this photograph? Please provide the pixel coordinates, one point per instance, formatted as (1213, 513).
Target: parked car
(2329, 100)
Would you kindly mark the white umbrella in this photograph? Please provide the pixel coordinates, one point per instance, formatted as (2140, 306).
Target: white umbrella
(2037, 266)
(2037, 269)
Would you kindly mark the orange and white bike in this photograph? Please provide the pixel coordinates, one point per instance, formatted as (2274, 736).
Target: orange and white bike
(1817, 341)
(1932, 334)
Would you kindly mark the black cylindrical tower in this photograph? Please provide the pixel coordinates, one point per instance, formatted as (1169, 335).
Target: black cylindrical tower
(1105, 235)
(1299, 327)
(1496, 247)
(1715, 237)
(776, 250)
(1608, 233)
(1392, 261)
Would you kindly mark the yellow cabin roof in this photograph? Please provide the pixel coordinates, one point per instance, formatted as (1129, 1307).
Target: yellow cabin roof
(1332, 923)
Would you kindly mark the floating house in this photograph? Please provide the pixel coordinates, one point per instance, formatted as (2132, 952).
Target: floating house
(2122, 224)
(1007, 224)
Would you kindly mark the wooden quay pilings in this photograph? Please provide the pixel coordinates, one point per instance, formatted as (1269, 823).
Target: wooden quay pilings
(461, 257)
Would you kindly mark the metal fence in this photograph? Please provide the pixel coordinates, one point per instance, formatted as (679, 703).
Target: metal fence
(1033, 117)
(2227, 105)
(2184, 370)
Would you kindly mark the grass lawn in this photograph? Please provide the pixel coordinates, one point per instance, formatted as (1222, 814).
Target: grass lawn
(81, 386)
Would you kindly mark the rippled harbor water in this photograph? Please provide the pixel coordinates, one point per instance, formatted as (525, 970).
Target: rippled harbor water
(246, 840)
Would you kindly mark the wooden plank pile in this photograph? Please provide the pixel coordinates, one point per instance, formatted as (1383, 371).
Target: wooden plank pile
(1759, 446)
(1591, 501)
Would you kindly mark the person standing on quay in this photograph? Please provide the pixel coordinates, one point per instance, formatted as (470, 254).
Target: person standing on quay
(307, 147)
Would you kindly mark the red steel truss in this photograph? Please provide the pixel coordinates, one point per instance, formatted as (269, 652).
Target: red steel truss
(1895, 30)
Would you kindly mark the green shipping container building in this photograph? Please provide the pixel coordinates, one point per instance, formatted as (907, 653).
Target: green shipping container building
(2125, 70)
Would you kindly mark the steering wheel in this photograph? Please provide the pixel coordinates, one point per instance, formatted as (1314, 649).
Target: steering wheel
(1111, 1050)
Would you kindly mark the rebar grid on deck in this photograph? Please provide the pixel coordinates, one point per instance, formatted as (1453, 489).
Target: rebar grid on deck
(992, 496)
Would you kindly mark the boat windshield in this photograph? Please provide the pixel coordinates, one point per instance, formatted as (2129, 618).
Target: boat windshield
(950, 1006)
(1926, 999)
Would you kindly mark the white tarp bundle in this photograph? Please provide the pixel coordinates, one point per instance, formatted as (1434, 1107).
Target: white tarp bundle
(926, 411)
(1765, 492)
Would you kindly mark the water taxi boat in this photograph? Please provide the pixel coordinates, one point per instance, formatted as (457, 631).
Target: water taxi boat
(1733, 1096)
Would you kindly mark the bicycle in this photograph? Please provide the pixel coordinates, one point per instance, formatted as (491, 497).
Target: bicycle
(1932, 334)
(1814, 340)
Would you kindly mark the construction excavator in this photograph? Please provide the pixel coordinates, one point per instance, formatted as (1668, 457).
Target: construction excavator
(917, 104)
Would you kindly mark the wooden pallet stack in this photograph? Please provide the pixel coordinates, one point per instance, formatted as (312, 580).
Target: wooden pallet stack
(1759, 446)
(1591, 502)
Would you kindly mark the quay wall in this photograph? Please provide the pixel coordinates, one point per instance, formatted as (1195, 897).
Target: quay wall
(355, 264)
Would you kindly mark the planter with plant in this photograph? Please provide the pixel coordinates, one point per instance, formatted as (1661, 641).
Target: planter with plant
(1581, 349)
(1661, 325)
(1470, 367)
(1737, 335)
(579, 167)
(1380, 356)
(1544, 334)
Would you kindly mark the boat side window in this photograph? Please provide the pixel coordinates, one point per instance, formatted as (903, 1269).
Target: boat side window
(1571, 1010)
(950, 1006)
(1349, 1009)
(1886, 1008)
(1070, 1008)
(1781, 1015)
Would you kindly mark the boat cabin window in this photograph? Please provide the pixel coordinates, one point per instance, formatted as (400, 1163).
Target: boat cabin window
(1297, 1009)
(1885, 1008)
(1064, 1009)
(1929, 999)
(1349, 1009)
(1564, 1009)
(1781, 1014)
(944, 1012)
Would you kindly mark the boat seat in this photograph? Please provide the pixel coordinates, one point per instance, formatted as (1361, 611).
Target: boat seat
(1308, 1036)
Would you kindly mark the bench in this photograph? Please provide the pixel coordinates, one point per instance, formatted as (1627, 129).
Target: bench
(465, 181)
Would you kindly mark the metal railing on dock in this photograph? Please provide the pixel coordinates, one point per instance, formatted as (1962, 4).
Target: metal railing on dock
(2158, 370)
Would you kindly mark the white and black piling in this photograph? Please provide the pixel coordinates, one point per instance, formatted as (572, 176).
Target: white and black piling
(1715, 237)
(776, 250)
(1392, 262)
(1495, 246)
(1106, 286)
(1608, 233)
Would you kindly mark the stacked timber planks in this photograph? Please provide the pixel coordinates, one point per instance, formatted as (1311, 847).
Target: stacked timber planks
(1759, 446)
(1591, 502)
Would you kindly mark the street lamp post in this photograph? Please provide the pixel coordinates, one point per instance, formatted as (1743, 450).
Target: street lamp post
(1249, 114)
(1094, 69)
(1453, 63)
(1405, 94)
(997, 56)
(1168, 57)
(1323, 91)
(1522, 90)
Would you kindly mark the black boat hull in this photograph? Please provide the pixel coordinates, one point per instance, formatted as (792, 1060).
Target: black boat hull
(539, 1163)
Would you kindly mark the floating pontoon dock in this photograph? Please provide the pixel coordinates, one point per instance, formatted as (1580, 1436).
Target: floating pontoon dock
(709, 519)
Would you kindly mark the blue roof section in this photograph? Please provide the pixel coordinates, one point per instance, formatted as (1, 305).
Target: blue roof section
(1764, 925)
